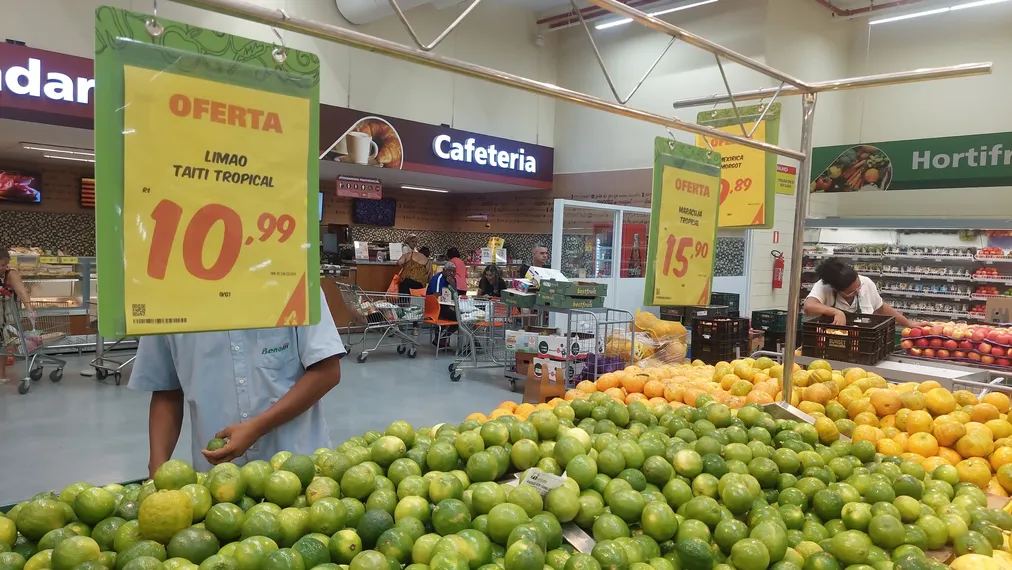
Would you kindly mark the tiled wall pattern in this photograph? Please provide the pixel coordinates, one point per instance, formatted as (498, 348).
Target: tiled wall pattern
(72, 233)
(729, 257)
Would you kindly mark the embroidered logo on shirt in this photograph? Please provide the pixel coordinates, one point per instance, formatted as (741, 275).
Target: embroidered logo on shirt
(281, 348)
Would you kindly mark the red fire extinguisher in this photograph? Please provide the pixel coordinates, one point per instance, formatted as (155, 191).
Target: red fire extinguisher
(778, 269)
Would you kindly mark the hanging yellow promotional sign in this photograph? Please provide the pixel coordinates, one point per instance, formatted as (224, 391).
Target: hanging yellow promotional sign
(748, 176)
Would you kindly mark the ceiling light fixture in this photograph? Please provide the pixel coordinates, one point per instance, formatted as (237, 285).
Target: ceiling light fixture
(59, 149)
(69, 158)
(614, 23)
(407, 187)
(953, 8)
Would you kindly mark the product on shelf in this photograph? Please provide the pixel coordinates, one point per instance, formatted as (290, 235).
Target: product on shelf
(992, 252)
(991, 291)
(986, 272)
(984, 344)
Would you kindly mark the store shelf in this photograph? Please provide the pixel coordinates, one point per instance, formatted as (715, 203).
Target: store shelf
(918, 294)
(935, 258)
(953, 316)
(1002, 280)
(992, 260)
(921, 276)
(986, 297)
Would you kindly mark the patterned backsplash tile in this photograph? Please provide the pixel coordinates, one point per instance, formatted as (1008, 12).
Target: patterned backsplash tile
(72, 233)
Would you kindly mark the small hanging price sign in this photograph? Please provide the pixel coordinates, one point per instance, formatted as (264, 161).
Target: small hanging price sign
(684, 219)
(205, 166)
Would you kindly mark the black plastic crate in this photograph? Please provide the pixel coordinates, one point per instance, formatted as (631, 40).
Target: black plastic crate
(721, 329)
(774, 341)
(685, 313)
(712, 353)
(731, 300)
(865, 339)
(773, 320)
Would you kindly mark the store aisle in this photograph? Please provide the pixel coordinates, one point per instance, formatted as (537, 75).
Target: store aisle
(85, 430)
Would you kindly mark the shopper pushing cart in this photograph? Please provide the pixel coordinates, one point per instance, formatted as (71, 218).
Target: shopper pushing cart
(394, 316)
(28, 332)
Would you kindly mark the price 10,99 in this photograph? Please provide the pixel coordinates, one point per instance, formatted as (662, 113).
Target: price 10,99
(168, 216)
(682, 250)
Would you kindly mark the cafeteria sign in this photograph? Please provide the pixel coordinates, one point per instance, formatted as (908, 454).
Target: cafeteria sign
(683, 214)
(749, 176)
(203, 171)
(921, 164)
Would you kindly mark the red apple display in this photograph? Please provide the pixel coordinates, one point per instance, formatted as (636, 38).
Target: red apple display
(966, 345)
(958, 334)
(915, 352)
(921, 343)
(906, 344)
(905, 332)
(987, 359)
(942, 353)
(1003, 362)
(951, 344)
(958, 354)
(993, 336)
(973, 356)
(914, 332)
(984, 348)
(935, 343)
(929, 353)
(997, 351)
(1002, 338)
(978, 335)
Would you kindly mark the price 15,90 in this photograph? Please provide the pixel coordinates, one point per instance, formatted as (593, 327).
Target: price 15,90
(168, 215)
(740, 185)
(682, 250)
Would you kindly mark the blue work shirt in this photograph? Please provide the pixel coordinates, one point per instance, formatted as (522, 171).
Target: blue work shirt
(437, 284)
(231, 376)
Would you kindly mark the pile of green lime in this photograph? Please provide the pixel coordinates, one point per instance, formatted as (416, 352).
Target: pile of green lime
(693, 488)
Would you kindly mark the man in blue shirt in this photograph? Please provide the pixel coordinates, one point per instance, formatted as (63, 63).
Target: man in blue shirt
(261, 389)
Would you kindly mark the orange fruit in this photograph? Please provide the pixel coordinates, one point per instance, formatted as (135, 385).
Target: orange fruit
(1000, 457)
(571, 395)
(890, 432)
(690, 395)
(940, 401)
(901, 438)
(949, 455)
(616, 394)
(998, 400)
(919, 421)
(995, 488)
(633, 382)
(635, 397)
(960, 416)
(923, 444)
(500, 412)
(914, 457)
(812, 408)
(854, 374)
(885, 401)
(674, 392)
(657, 401)
(931, 463)
(983, 412)
(848, 395)
(965, 397)
(653, 389)
(867, 419)
(866, 433)
(587, 386)
(477, 416)
(735, 402)
(886, 446)
(858, 406)
(759, 397)
(947, 433)
(887, 422)
(975, 443)
(901, 418)
(913, 400)
(508, 405)
(999, 428)
(1004, 477)
(607, 380)
(928, 386)
(974, 470)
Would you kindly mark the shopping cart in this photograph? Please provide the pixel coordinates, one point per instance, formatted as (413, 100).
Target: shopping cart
(103, 364)
(395, 316)
(482, 334)
(26, 334)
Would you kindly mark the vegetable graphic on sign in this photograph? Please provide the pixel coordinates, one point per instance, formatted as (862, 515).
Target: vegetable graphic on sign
(861, 167)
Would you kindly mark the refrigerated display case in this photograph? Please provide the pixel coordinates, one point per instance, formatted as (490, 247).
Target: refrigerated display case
(69, 281)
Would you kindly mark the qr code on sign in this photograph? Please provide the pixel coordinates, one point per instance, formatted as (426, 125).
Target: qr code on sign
(139, 309)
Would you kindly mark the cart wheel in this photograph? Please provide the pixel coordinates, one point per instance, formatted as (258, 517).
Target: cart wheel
(362, 356)
(24, 386)
(401, 349)
(101, 374)
(117, 377)
(513, 385)
(455, 376)
(35, 374)
(56, 375)
(412, 352)
(450, 367)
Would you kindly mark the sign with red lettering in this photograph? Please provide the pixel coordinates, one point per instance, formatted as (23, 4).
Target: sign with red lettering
(359, 187)
(204, 170)
(683, 218)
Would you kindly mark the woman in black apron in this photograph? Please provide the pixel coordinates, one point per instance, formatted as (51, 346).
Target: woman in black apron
(840, 290)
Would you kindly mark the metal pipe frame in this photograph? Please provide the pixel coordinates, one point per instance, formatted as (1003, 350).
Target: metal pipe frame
(788, 86)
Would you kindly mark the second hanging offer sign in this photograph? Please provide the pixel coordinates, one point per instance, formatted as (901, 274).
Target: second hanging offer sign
(216, 165)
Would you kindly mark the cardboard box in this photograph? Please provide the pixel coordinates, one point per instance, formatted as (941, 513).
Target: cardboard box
(518, 298)
(549, 371)
(568, 302)
(552, 346)
(522, 341)
(539, 274)
(998, 310)
(524, 360)
(575, 288)
(538, 390)
(523, 285)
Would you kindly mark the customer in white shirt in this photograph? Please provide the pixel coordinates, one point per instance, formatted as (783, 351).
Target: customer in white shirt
(840, 290)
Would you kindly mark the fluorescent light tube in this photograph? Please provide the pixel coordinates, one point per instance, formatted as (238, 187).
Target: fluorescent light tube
(66, 150)
(953, 8)
(614, 23)
(976, 4)
(407, 187)
(69, 158)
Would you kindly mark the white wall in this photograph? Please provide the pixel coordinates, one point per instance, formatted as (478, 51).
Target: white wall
(495, 35)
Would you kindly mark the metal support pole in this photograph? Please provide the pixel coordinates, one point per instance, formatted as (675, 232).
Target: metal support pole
(882, 79)
(801, 191)
(271, 17)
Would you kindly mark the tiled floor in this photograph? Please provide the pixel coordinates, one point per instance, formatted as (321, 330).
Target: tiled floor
(85, 430)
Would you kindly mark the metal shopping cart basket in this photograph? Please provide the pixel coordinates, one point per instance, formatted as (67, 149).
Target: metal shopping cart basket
(395, 316)
(482, 330)
(26, 334)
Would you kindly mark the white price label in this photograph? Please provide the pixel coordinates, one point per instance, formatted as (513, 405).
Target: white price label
(542, 481)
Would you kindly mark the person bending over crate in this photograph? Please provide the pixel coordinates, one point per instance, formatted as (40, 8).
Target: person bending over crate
(259, 389)
(840, 290)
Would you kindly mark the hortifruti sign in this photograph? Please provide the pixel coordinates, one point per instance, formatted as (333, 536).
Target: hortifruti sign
(948, 162)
